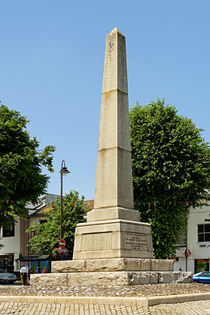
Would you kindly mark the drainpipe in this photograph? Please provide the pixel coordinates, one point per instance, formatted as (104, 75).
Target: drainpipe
(186, 256)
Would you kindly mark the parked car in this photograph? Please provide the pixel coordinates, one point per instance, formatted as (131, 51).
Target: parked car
(7, 277)
(203, 277)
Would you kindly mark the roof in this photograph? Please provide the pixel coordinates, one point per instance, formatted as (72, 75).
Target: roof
(32, 258)
(88, 204)
(45, 207)
(43, 203)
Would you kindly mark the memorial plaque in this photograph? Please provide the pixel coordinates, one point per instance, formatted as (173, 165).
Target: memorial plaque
(135, 241)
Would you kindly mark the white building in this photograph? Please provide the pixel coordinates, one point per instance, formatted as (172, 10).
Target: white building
(197, 241)
(15, 241)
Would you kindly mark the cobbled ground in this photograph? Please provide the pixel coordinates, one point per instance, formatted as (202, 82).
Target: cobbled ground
(128, 291)
(189, 308)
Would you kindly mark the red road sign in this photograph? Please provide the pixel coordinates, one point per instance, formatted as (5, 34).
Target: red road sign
(62, 243)
(187, 252)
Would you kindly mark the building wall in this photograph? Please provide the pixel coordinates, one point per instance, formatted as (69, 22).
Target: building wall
(36, 219)
(18, 244)
(24, 237)
(199, 250)
(11, 245)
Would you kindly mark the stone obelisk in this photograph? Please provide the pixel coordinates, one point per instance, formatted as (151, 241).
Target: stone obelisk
(113, 229)
(114, 186)
(113, 247)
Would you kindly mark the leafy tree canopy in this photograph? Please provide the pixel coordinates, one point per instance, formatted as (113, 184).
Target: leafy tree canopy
(21, 162)
(171, 170)
(47, 234)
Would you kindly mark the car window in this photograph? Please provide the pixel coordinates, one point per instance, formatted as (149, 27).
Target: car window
(2, 270)
(205, 274)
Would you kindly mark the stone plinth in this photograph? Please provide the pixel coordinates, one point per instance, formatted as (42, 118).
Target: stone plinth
(113, 239)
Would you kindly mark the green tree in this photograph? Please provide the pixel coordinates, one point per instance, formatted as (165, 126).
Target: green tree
(21, 162)
(47, 234)
(171, 170)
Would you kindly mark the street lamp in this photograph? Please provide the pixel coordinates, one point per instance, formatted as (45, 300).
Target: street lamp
(63, 171)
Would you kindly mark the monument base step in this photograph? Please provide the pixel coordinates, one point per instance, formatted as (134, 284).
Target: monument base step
(104, 279)
(112, 265)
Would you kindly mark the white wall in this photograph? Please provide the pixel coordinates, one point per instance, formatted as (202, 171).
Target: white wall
(35, 220)
(199, 250)
(11, 245)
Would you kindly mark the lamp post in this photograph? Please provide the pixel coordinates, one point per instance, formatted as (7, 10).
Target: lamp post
(63, 171)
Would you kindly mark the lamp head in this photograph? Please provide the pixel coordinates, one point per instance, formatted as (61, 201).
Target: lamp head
(64, 169)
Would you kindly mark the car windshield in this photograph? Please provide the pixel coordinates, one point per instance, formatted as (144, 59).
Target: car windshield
(2, 270)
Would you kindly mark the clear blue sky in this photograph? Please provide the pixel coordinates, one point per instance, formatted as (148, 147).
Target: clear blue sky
(51, 69)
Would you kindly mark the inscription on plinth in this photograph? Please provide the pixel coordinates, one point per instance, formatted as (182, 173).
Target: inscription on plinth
(135, 241)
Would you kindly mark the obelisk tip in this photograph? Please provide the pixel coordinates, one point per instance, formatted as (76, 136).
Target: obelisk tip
(115, 30)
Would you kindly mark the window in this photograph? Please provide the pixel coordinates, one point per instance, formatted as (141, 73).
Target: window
(9, 231)
(201, 265)
(7, 263)
(204, 233)
(33, 233)
(44, 221)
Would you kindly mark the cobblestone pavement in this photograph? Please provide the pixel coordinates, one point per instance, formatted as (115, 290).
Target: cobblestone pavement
(123, 291)
(188, 308)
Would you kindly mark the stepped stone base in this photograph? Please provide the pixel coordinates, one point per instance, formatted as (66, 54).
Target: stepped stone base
(112, 213)
(112, 265)
(111, 272)
(119, 278)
